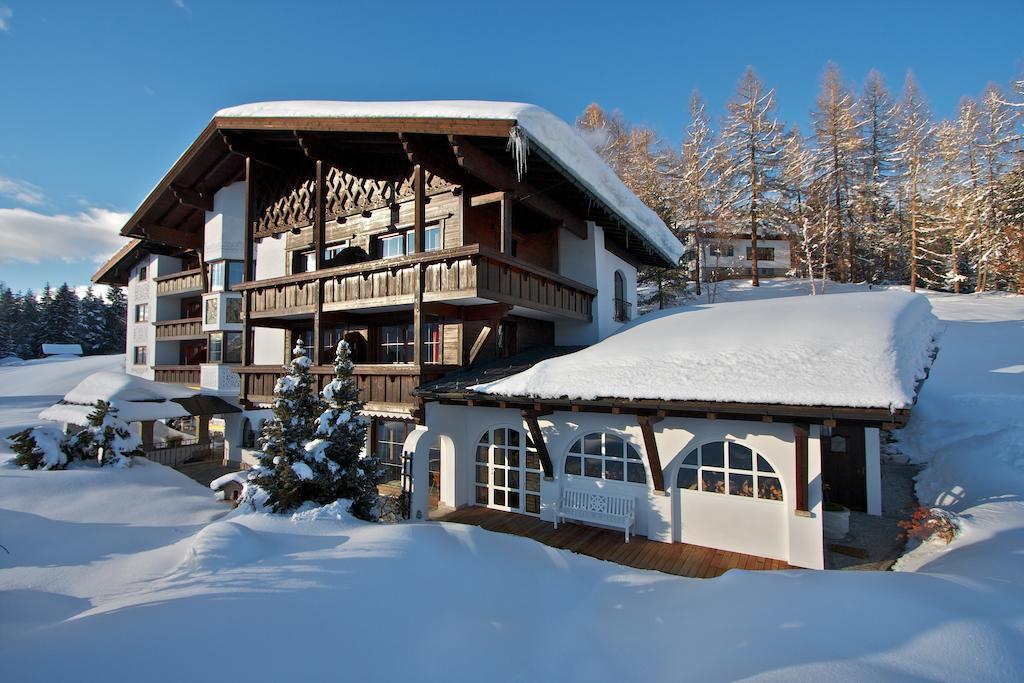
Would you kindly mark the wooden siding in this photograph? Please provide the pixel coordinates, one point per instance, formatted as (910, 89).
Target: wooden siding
(177, 374)
(281, 300)
(681, 559)
(180, 283)
(186, 328)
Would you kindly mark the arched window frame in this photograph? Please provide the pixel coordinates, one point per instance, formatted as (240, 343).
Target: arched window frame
(590, 456)
(701, 471)
(495, 467)
(623, 308)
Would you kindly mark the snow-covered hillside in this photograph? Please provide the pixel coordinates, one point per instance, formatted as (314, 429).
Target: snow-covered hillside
(139, 573)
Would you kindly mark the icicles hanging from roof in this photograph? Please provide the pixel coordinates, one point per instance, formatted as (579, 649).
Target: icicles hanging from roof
(519, 145)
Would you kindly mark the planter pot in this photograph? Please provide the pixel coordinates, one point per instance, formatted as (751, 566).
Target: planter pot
(836, 524)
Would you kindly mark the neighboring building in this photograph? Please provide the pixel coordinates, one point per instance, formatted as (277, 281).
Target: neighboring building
(727, 254)
(62, 349)
(449, 243)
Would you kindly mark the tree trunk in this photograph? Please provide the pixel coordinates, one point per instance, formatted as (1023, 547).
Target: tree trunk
(697, 274)
(913, 233)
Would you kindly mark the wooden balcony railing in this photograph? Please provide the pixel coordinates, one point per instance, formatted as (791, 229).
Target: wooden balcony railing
(449, 275)
(185, 282)
(177, 374)
(186, 328)
(380, 385)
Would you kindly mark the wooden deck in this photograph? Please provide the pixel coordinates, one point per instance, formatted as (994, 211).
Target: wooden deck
(672, 558)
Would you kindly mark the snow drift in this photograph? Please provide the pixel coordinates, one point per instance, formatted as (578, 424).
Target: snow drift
(865, 350)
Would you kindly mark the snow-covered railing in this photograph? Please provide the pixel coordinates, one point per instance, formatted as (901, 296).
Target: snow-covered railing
(378, 384)
(185, 328)
(175, 454)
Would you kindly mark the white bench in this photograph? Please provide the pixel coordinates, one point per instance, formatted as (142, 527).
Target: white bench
(600, 508)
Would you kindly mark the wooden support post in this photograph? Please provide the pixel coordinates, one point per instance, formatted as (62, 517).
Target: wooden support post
(419, 217)
(647, 423)
(530, 417)
(319, 242)
(417, 318)
(247, 272)
(505, 238)
(800, 432)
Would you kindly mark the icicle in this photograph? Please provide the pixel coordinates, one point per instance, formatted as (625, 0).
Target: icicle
(519, 145)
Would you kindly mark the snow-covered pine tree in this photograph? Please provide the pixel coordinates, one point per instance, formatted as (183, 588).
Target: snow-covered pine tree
(914, 135)
(30, 327)
(116, 317)
(62, 317)
(92, 322)
(39, 448)
(284, 479)
(335, 455)
(837, 146)
(8, 321)
(107, 439)
(752, 138)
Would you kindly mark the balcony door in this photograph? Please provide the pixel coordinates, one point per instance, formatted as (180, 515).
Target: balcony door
(508, 471)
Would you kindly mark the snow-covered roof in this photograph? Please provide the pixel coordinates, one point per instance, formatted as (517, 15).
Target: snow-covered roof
(859, 350)
(135, 398)
(544, 130)
(62, 349)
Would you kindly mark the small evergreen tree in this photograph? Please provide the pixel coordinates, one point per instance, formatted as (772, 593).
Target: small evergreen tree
(39, 448)
(335, 455)
(107, 439)
(92, 322)
(284, 476)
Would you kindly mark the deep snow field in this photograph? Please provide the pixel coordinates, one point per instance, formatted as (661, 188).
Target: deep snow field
(139, 573)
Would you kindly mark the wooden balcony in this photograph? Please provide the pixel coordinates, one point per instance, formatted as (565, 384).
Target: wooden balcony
(175, 330)
(185, 282)
(468, 273)
(380, 386)
(177, 374)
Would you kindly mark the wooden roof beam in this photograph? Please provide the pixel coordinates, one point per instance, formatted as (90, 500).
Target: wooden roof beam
(246, 148)
(361, 163)
(530, 417)
(480, 164)
(188, 196)
(647, 423)
(171, 236)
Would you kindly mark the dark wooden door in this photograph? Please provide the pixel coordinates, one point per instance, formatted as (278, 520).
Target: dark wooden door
(843, 468)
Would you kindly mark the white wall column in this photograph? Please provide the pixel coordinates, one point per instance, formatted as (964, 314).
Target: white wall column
(417, 445)
(873, 469)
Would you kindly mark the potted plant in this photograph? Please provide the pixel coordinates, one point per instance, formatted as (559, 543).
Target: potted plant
(836, 520)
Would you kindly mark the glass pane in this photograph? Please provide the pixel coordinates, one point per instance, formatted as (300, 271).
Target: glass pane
(481, 453)
(577, 445)
(713, 454)
(499, 437)
(592, 444)
(499, 476)
(532, 481)
(613, 469)
(740, 457)
(632, 453)
(533, 504)
(687, 478)
(432, 238)
(513, 479)
(513, 438)
(592, 467)
(481, 474)
(233, 311)
(769, 488)
(513, 499)
(612, 446)
(481, 495)
(712, 481)
(572, 465)
(486, 438)
(741, 485)
(499, 497)
(211, 312)
(763, 466)
(235, 272)
(498, 455)
(513, 458)
(532, 460)
(691, 458)
(635, 473)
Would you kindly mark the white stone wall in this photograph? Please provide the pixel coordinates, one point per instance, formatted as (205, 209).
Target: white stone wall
(757, 527)
(268, 343)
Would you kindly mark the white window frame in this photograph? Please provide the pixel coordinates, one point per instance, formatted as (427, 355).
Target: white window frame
(604, 458)
(491, 461)
(726, 471)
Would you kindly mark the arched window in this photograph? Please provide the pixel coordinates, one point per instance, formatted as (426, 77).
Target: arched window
(508, 471)
(248, 435)
(622, 306)
(605, 456)
(730, 468)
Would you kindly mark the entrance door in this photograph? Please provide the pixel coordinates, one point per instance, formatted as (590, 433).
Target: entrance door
(508, 471)
(843, 467)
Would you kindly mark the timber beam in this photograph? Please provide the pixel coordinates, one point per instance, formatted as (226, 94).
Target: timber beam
(190, 197)
(800, 434)
(177, 238)
(245, 148)
(647, 423)
(530, 417)
(480, 164)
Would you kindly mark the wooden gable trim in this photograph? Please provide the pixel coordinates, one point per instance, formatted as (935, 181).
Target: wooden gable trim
(800, 434)
(647, 423)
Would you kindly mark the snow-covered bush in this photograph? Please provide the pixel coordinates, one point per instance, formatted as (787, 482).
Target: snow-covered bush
(107, 439)
(39, 448)
(928, 523)
(312, 446)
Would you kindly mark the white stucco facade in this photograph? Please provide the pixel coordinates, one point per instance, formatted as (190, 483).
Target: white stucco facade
(143, 292)
(766, 528)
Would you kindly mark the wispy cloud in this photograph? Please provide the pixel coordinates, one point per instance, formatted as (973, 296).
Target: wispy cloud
(5, 18)
(20, 191)
(33, 237)
(180, 4)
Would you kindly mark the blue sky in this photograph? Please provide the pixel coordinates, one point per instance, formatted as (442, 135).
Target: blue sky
(100, 98)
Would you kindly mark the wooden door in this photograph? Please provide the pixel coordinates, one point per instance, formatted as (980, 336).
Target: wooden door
(843, 467)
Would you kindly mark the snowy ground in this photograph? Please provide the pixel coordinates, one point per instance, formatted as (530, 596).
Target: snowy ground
(141, 573)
